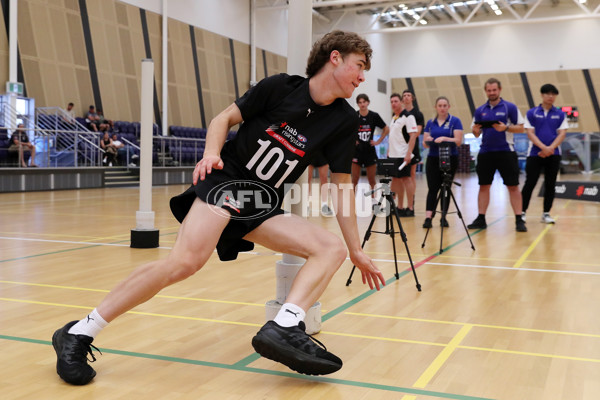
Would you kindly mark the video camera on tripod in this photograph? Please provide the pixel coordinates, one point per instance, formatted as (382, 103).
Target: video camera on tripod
(389, 167)
(444, 156)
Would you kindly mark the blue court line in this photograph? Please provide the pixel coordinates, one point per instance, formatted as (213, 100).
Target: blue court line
(236, 367)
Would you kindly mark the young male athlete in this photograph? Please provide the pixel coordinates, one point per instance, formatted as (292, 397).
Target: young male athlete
(365, 154)
(286, 119)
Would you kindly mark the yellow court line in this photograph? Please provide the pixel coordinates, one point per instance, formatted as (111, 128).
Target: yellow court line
(454, 343)
(381, 338)
(136, 312)
(510, 328)
(158, 295)
(533, 245)
(525, 353)
(439, 361)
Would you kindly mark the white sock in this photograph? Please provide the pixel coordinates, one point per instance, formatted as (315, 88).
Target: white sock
(90, 325)
(289, 315)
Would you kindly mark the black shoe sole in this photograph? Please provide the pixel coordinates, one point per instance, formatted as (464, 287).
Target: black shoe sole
(476, 226)
(293, 358)
(67, 379)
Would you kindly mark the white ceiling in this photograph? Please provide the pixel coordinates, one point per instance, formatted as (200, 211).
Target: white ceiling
(384, 16)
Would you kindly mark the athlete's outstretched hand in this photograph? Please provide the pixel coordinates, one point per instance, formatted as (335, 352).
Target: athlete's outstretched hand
(205, 166)
(370, 273)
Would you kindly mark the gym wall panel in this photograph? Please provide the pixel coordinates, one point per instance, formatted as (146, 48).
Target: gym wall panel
(33, 77)
(53, 52)
(3, 51)
(84, 91)
(174, 111)
(76, 40)
(56, 68)
(260, 65)
(51, 82)
(242, 66)
(155, 36)
(183, 101)
(61, 35)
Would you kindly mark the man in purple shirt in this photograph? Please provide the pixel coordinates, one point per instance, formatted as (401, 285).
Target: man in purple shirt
(497, 120)
(546, 127)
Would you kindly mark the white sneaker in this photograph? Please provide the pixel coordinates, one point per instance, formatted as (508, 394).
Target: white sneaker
(110, 164)
(326, 211)
(523, 216)
(547, 219)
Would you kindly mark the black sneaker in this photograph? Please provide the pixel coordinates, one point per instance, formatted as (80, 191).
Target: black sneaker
(478, 223)
(401, 212)
(294, 348)
(427, 223)
(520, 226)
(409, 213)
(71, 352)
(444, 223)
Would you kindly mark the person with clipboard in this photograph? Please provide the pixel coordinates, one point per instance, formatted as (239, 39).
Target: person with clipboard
(497, 120)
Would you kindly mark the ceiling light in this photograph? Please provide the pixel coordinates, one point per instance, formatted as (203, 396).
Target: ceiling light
(498, 12)
(423, 22)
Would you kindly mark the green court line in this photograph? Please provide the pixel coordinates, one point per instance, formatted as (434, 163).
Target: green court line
(74, 249)
(242, 364)
(236, 367)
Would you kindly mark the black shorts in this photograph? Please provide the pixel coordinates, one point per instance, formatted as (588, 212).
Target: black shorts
(404, 172)
(245, 217)
(416, 154)
(319, 160)
(365, 157)
(505, 162)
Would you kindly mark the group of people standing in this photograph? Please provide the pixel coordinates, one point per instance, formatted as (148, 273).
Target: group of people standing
(495, 121)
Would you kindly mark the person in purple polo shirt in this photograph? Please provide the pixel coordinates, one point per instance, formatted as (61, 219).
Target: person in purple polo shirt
(546, 127)
(497, 152)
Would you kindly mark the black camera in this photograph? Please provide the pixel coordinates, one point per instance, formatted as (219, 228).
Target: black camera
(388, 166)
(444, 156)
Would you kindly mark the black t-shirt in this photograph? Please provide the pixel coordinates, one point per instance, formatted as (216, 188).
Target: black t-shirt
(420, 122)
(366, 129)
(20, 136)
(284, 129)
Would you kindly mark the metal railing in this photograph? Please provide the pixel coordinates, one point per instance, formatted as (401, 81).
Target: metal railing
(66, 142)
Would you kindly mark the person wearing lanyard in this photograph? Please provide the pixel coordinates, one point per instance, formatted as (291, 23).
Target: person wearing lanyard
(546, 127)
(496, 121)
(444, 128)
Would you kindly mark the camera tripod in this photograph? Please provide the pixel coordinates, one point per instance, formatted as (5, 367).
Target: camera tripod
(444, 196)
(387, 194)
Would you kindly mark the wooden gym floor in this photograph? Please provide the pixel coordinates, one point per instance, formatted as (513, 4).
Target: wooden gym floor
(517, 318)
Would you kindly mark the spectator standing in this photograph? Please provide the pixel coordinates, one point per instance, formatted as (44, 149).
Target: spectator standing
(444, 128)
(400, 150)
(497, 152)
(408, 101)
(546, 127)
